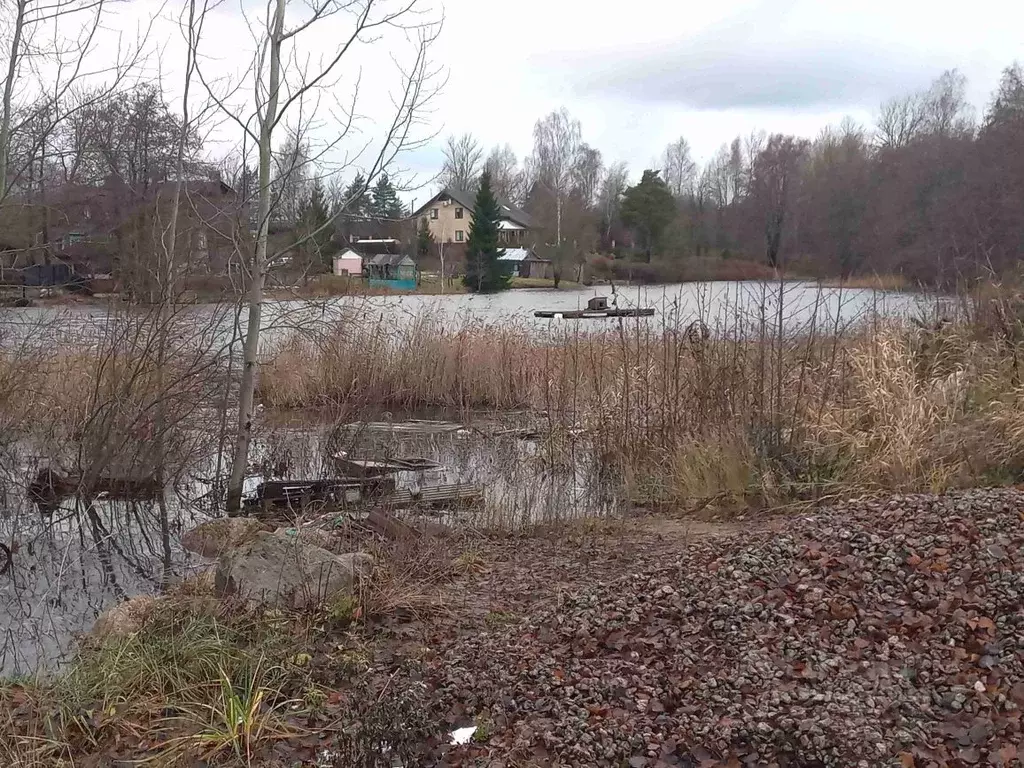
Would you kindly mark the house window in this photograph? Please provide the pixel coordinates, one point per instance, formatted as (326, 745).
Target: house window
(433, 213)
(458, 213)
(458, 235)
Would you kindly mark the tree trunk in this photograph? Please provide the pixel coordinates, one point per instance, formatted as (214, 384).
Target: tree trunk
(6, 117)
(254, 297)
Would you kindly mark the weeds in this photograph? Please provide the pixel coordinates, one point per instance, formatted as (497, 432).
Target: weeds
(238, 721)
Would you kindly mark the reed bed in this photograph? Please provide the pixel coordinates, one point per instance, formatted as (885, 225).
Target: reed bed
(677, 411)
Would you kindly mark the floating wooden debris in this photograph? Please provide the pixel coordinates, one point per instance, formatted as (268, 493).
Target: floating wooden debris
(301, 493)
(410, 426)
(436, 495)
(597, 307)
(379, 467)
(586, 314)
(49, 487)
(523, 433)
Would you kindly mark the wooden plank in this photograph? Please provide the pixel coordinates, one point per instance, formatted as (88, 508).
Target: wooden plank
(377, 467)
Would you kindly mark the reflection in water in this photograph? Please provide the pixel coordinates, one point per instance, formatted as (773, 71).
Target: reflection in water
(91, 555)
(67, 570)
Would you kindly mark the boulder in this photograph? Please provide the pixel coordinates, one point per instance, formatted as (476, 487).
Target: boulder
(215, 537)
(287, 571)
(317, 536)
(198, 584)
(125, 618)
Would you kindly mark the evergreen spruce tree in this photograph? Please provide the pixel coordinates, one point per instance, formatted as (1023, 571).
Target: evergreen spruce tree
(484, 273)
(424, 240)
(356, 199)
(315, 230)
(386, 203)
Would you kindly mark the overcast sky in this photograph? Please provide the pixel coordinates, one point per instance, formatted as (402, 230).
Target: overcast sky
(640, 74)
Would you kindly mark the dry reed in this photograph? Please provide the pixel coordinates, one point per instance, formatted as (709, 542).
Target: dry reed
(675, 414)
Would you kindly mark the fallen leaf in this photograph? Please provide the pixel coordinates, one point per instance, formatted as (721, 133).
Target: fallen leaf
(906, 760)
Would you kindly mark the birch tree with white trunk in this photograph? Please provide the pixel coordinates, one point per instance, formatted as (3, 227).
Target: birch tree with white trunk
(289, 86)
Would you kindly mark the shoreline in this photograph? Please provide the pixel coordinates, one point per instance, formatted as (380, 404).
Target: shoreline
(601, 642)
(317, 292)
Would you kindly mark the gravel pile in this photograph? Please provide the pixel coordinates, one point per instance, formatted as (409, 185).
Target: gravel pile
(866, 634)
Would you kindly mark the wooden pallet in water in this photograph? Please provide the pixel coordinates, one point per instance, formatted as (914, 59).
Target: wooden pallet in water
(459, 494)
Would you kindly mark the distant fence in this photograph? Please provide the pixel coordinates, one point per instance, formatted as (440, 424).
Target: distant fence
(38, 275)
(394, 285)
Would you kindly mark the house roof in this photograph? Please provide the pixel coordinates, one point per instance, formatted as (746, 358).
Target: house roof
(516, 254)
(391, 260)
(467, 200)
(350, 251)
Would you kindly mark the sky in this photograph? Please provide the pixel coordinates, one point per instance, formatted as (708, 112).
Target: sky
(639, 75)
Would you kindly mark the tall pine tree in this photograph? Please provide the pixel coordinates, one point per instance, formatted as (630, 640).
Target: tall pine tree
(484, 273)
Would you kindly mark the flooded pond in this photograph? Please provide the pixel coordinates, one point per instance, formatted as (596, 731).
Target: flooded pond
(721, 305)
(67, 569)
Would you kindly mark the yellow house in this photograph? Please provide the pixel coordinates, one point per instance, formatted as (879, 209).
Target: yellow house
(450, 212)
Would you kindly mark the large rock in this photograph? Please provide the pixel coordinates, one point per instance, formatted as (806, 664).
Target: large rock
(125, 618)
(287, 571)
(215, 537)
(317, 536)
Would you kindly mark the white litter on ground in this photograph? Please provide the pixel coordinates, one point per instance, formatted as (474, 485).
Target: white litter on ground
(463, 735)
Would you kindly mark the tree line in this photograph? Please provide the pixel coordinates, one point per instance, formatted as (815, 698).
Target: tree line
(931, 191)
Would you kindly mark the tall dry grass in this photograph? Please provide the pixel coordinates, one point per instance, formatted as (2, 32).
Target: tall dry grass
(424, 362)
(124, 396)
(753, 408)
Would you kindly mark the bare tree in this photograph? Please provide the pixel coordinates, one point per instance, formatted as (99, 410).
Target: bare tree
(776, 176)
(609, 203)
(462, 166)
(51, 50)
(587, 174)
(292, 179)
(285, 85)
(678, 168)
(507, 179)
(556, 145)
(900, 121)
(947, 112)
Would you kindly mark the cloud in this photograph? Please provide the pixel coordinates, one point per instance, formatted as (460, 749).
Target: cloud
(811, 78)
(769, 56)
